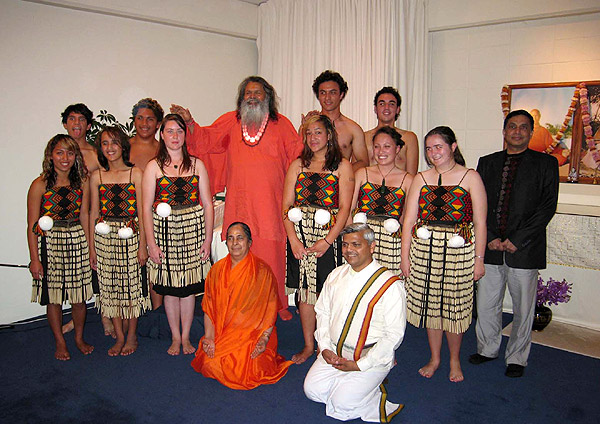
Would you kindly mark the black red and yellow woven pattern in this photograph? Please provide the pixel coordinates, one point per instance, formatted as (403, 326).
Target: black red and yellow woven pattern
(178, 191)
(373, 199)
(61, 203)
(318, 189)
(117, 200)
(445, 204)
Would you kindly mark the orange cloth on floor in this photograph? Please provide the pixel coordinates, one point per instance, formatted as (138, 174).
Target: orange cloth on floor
(254, 178)
(242, 304)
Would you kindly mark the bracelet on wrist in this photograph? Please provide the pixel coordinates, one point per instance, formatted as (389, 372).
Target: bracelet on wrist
(479, 256)
(325, 238)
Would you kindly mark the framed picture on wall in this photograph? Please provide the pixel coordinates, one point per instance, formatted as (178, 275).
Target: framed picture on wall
(566, 124)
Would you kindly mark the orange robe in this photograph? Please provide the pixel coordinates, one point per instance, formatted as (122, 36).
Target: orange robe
(254, 179)
(242, 304)
(541, 139)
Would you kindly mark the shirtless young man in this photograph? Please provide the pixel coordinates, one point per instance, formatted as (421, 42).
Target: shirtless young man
(387, 108)
(147, 116)
(330, 89)
(77, 120)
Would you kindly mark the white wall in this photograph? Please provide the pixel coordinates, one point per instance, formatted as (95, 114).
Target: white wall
(54, 56)
(469, 66)
(472, 57)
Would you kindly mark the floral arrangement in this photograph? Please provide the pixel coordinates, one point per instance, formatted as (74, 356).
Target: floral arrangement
(580, 95)
(585, 117)
(553, 292)
(563, 129)
(504, 99)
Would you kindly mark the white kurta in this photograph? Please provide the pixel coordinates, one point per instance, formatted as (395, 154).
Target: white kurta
(357, 394)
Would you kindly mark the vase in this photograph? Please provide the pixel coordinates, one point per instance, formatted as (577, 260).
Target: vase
(541, 318)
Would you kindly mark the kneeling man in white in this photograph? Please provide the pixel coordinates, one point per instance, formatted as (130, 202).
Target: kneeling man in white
(361, 317)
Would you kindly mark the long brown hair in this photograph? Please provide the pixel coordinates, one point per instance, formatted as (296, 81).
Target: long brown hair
(122, 140)
(78, 172)
(449, 138)
(162, 157)
(333, 156)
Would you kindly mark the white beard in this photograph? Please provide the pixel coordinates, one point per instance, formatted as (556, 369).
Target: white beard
(252, 114)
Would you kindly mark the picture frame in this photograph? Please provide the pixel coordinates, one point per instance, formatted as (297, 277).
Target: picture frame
(551, 104)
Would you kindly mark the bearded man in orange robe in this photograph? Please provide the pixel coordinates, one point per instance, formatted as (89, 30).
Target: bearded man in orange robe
(248, 151)
(239, 347)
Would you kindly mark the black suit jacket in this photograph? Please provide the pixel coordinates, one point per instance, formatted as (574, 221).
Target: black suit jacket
(532, 205)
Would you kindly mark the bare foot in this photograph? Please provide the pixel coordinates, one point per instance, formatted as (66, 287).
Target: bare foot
(188, 349)
(61, 353)
(175, 348)
(428, 370)
(285, 315)
(303, 355)
(69, 326)
(117, 348)
(129, 348)
(456, 373)
(85, 348)
(109, 328)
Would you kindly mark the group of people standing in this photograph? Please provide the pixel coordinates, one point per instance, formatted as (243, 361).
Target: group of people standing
(302, 201)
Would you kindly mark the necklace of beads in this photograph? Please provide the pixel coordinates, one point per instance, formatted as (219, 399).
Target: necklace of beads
(253, 141)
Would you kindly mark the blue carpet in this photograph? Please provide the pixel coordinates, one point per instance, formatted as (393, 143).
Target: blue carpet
(153, 387)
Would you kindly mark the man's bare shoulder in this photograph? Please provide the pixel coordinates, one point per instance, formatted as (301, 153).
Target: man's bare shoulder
(90, 158)
(86, 147)
(407, 135)
(349, 124)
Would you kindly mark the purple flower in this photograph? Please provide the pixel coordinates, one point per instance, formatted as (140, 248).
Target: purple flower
(553, 292)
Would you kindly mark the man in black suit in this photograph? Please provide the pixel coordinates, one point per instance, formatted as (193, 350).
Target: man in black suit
(522, 189)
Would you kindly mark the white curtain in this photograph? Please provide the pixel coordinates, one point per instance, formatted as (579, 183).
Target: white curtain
(371, 43)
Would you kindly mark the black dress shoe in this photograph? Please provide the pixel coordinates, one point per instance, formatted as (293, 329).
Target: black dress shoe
(514, 371)
(477, 359)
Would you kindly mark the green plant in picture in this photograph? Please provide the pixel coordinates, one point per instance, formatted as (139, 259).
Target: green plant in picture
(554, 129)
(102, 120)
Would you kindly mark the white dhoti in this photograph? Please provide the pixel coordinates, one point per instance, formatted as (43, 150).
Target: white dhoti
(350, 394)
(361, 316)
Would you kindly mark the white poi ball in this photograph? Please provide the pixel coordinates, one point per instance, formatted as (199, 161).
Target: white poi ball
(322, 216)
(102, 228)
(295, 215)
(423, 233)
(360, 218)
(456, 241)
(46, 223)
(163, 209)
(391, 225)
(125, 232)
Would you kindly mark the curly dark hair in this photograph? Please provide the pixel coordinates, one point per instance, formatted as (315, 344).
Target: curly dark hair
(118, 135)
(271, 96)
(396, 136)
(333, 156)
(151, 104)
(393, 92)
(78, 172)
(162, 157)
(449, 138)
(78, 108)
(330, 76)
